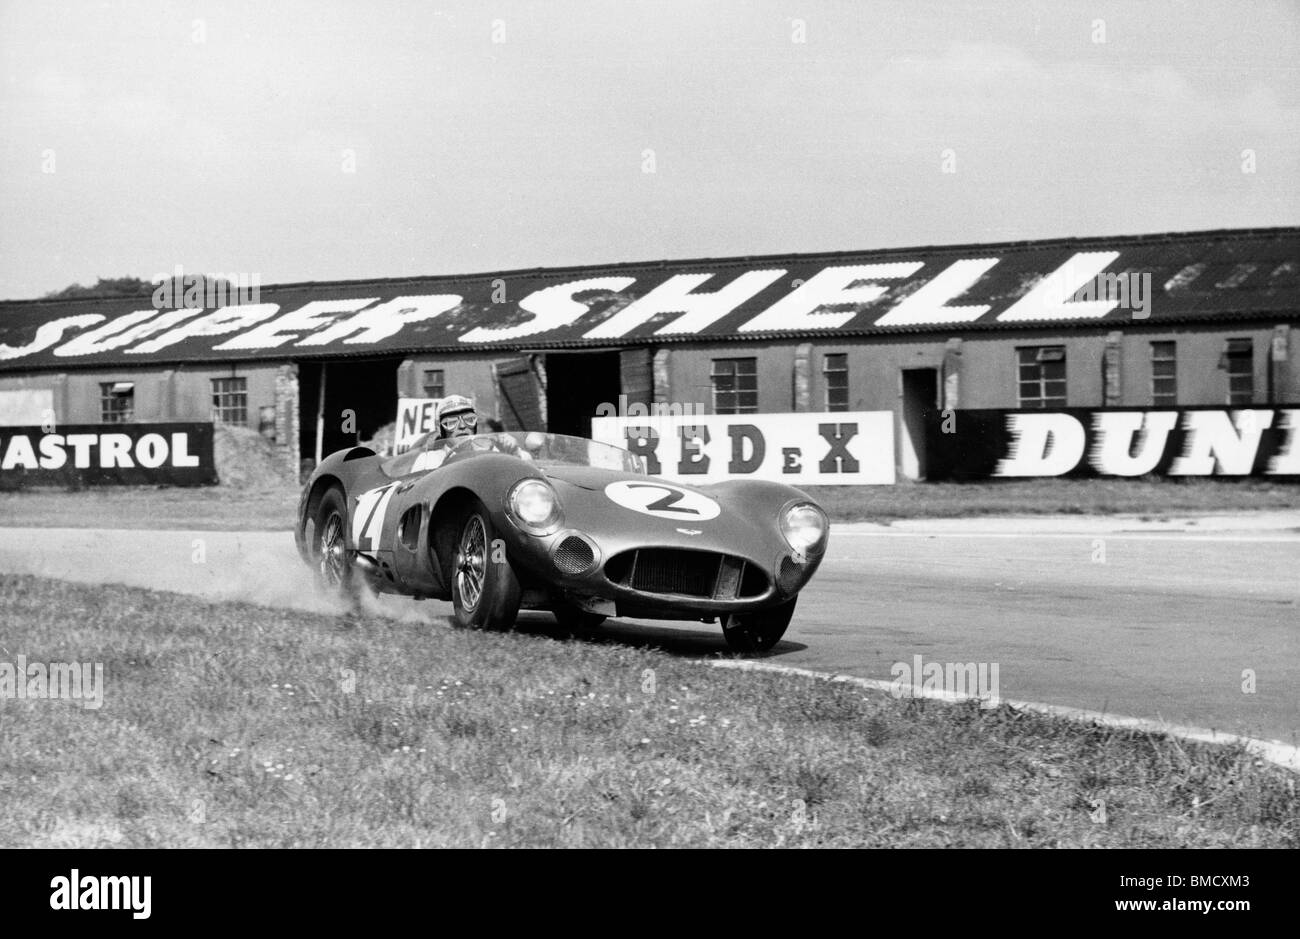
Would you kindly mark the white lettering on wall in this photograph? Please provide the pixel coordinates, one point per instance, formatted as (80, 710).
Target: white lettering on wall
(380, 322)
(228, 319)
(123, 331)
(1219, 445)
(1286, 462)
(1113, 441)
(288, 327)
(813, 305)
(113, 451)
(552, 308)
(678, 295)
(1042, 445)
(49, 334)
(928, 305)
(1049, 299)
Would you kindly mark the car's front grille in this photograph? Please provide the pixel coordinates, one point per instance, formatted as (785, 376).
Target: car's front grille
(686, 573)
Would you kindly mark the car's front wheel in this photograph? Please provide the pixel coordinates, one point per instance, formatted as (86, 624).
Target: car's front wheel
(484, 587)
(333, 567)
(759, 630)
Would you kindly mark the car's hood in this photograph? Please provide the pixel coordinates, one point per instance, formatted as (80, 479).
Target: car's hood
(743, 523)
(590, 477)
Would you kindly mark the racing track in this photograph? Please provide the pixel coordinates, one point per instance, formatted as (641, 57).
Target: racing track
(1162, 629)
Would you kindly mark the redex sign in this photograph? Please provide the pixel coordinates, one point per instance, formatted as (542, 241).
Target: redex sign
(841, 447)
(1119, 442)
(107, 454)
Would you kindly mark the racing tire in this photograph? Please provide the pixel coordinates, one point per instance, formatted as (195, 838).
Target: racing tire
(757, 631)
(329, 548)
(484, 592)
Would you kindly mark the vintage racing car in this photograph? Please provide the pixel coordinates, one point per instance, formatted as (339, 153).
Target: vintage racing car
(495, 522)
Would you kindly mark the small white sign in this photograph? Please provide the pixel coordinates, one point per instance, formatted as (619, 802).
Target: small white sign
(415, 418)
(26, 407)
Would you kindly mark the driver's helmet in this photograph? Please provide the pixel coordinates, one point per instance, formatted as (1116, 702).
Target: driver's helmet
(457, 417)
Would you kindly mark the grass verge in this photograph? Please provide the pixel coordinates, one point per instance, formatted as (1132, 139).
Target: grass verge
(234, 725)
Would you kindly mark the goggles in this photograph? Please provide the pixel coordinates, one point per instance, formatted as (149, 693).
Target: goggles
(468, 420)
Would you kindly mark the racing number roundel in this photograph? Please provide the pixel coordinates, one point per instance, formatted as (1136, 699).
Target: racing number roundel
(663, 500)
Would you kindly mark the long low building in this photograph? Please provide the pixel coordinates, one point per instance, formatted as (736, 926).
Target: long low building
(1176, 320)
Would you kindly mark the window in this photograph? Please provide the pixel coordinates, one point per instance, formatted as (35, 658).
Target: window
(1164, 380)
(434, 385)
(735, 386)
(1239, 361)
(116, 402)
(1042, 376)
(230, 400)
(835, 369)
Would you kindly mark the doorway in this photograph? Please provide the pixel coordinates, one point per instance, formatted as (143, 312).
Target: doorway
(576, 384)
(920, 393)
(367, 388)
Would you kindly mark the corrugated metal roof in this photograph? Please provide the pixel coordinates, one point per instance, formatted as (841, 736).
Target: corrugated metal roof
(1186, 278)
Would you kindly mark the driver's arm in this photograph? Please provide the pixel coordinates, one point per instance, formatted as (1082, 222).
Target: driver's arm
(510, 445)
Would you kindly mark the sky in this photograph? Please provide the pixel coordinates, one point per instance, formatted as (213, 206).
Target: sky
(346, 139)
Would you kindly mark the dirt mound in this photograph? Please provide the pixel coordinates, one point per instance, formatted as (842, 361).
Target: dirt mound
(382, 441)
(247, 460)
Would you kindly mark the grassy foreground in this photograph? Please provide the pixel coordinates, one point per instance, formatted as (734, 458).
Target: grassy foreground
(228, 508)
(235, 725)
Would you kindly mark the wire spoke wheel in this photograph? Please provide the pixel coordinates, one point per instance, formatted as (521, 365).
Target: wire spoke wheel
(471, 563)
(330, 557)
(332, 552)
(484, 587)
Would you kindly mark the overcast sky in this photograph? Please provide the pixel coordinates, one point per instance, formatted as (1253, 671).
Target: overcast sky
(220, 135)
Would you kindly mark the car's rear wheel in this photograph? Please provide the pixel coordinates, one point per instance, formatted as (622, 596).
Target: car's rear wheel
(484, 587)
(333, 567)
(759, 630)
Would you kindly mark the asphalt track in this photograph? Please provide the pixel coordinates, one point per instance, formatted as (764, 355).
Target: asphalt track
(1157, 625)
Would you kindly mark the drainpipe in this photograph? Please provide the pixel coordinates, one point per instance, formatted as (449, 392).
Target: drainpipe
(320, 415)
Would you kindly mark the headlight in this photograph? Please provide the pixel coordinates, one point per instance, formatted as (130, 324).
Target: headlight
(804, 526)
(535, 506)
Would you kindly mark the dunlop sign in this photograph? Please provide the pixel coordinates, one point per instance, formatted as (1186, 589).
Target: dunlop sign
(1120, 442)
(837, 448)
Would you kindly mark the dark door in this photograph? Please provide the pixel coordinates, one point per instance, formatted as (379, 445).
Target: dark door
(360, 398)
(920, 404)
(577, 383)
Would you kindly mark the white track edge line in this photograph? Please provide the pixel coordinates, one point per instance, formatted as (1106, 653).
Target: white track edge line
(1273, 751)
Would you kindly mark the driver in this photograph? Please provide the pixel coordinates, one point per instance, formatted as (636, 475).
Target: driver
(457, 418)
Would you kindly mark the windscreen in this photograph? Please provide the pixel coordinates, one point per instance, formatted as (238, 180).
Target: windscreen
(430, 452)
